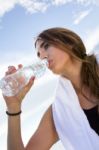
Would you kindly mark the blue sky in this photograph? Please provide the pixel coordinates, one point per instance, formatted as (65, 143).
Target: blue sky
(20, 22)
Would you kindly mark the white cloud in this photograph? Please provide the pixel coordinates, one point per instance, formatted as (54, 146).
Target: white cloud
(88, 2)
(30, 5)
(60, 2)
(6, 6)
(80, 16)
(33, 6)
(92, 39)
(83, 2)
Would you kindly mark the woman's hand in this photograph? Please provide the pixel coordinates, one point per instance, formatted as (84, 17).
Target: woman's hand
(14, 102)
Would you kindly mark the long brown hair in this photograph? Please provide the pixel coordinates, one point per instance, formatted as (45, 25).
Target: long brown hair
(71, 43)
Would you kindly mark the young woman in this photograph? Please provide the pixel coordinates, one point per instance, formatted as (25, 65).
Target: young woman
(73, 117)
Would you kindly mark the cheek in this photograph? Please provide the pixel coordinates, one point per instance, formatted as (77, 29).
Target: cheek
(58, 67)
(60, 64)
(62, 60)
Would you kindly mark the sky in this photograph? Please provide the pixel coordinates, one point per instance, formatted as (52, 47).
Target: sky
(20, 22)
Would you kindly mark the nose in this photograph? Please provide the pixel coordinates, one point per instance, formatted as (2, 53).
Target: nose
(42, 54)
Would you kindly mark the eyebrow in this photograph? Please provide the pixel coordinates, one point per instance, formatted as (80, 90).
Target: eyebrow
(42, 44)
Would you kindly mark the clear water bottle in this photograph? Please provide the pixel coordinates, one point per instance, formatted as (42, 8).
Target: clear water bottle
(13, 83)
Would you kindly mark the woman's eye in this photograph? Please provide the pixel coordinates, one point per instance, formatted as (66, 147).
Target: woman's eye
(38, 54)
(46, 46)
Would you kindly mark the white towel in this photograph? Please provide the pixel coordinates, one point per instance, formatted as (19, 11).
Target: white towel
(70, 121)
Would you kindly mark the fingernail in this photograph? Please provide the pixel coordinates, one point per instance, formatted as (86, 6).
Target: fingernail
(32, 78)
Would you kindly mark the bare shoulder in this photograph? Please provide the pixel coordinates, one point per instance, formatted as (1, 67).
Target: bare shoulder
(46, 134)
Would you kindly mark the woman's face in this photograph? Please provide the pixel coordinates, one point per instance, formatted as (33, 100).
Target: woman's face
(57, 59)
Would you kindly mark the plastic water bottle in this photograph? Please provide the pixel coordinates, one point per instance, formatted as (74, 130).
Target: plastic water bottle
(13, 83)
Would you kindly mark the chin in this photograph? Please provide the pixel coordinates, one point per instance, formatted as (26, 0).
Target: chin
(55, 71)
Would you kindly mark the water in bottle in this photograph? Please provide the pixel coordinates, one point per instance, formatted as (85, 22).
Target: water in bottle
(13, 83)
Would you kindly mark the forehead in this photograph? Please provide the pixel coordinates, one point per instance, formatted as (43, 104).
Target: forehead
(39, 43)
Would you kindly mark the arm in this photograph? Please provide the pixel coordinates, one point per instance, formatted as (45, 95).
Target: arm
(14, 140)
(44, 137)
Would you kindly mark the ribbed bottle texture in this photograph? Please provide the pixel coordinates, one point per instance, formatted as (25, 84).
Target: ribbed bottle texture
(13, 83)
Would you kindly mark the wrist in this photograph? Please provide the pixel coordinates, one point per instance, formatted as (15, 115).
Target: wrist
(13, 114)
(13, 108)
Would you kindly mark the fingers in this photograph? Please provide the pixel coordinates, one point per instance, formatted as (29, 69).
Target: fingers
(12, 69)
(29, 85)
(20, 66)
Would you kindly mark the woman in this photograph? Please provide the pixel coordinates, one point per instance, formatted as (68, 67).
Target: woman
(73, 117)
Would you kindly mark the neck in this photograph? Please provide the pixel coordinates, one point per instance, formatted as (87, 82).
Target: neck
(73, 73)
